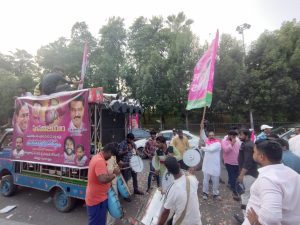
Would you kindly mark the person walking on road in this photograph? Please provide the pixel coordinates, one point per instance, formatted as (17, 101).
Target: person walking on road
(247, 169)
(230, 147)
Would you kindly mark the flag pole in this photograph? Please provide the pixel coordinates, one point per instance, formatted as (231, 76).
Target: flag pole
(203, 116)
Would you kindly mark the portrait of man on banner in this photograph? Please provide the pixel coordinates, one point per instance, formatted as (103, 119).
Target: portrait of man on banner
(76, 107)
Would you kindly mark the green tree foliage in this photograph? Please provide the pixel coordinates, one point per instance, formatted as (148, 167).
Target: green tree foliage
(153, 61)
(108, 58)
(273, 82)
(67, 54)
(17, 69)
(162, 54)
(229, 77)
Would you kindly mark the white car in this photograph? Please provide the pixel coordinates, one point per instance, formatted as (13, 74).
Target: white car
(168, 134)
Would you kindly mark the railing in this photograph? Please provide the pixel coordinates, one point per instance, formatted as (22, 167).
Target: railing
(217, 127)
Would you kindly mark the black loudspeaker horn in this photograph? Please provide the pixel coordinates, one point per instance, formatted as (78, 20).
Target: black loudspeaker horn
(136, 109)
(123, 107)
(115, 105)
(141, 110)
(130, 109)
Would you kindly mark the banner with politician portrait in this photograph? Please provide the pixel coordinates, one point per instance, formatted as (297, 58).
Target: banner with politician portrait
(53, 129)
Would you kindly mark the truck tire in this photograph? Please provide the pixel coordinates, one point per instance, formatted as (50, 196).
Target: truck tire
(62, 202)
(8, 188)
(141, 153)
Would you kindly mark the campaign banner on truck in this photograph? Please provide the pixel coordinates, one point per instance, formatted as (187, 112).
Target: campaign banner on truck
(53, 129)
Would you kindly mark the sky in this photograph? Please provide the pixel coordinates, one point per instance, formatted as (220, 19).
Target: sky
(30, 24)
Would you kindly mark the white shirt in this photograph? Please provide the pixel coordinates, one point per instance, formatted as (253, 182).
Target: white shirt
(17, 154)
(82, 161)
(294, 144)
(72, 127)
(69, 158)
(212, 157)
(275, 196)
(176, 200)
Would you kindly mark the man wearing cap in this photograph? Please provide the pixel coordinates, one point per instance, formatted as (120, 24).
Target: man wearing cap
(266, 131)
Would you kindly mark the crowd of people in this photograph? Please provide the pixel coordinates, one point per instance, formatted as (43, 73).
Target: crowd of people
(263, 174)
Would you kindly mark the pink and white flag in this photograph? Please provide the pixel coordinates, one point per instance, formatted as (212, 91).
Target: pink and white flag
(200, 94)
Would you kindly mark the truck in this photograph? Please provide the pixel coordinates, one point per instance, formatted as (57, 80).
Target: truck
(53, 138)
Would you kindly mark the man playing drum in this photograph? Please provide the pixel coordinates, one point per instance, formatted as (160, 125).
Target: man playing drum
(150, 148)
(99, 182)
(163, 150)
(125, 154)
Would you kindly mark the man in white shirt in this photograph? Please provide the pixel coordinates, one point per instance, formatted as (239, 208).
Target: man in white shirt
(176, 198)
(294, 142)
(211, 163)
(274, 196)
(77, 112)
(18, 152)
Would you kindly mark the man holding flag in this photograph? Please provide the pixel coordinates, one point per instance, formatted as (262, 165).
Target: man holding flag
(200, 96)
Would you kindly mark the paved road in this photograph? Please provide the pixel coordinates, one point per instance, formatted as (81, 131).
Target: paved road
(35, 208)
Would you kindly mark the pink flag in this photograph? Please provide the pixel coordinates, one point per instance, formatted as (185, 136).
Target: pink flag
(84, 64)
(200, 94)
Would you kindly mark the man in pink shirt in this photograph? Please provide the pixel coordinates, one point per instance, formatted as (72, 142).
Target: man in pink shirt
(230, 147)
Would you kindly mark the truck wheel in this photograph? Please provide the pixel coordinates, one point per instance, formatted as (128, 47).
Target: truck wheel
(8, 187)
(141, 153)
(63, 202)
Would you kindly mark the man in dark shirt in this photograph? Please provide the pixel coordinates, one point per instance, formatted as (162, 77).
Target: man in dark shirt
(50, 82)
(247, 167)
(124, 156)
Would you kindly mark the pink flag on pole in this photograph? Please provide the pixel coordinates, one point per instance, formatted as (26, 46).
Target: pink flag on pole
(200, 94)
(84, 64)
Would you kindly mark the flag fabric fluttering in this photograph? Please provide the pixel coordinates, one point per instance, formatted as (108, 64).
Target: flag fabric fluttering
(201, 88)
(83, 65)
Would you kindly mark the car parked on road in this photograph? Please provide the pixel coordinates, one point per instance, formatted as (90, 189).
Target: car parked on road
(140, 133)
(286, 132)
(168, 134)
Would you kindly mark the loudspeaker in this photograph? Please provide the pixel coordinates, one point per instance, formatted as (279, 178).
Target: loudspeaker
(113, 126)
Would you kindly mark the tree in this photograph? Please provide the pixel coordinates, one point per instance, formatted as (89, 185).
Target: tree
(108, 59)
(67, 54)
(273, 82)
(229, 77)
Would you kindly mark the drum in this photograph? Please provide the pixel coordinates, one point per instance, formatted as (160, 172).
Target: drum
(153, 208)
(166, 181)
(122, 187)
(136, 164)
(191, 157)
(114, 206)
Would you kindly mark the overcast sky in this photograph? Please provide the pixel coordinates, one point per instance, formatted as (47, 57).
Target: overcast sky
(29, 24)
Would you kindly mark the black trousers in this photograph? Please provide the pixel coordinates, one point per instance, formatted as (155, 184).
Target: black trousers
(127, 174)
(233, 173)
